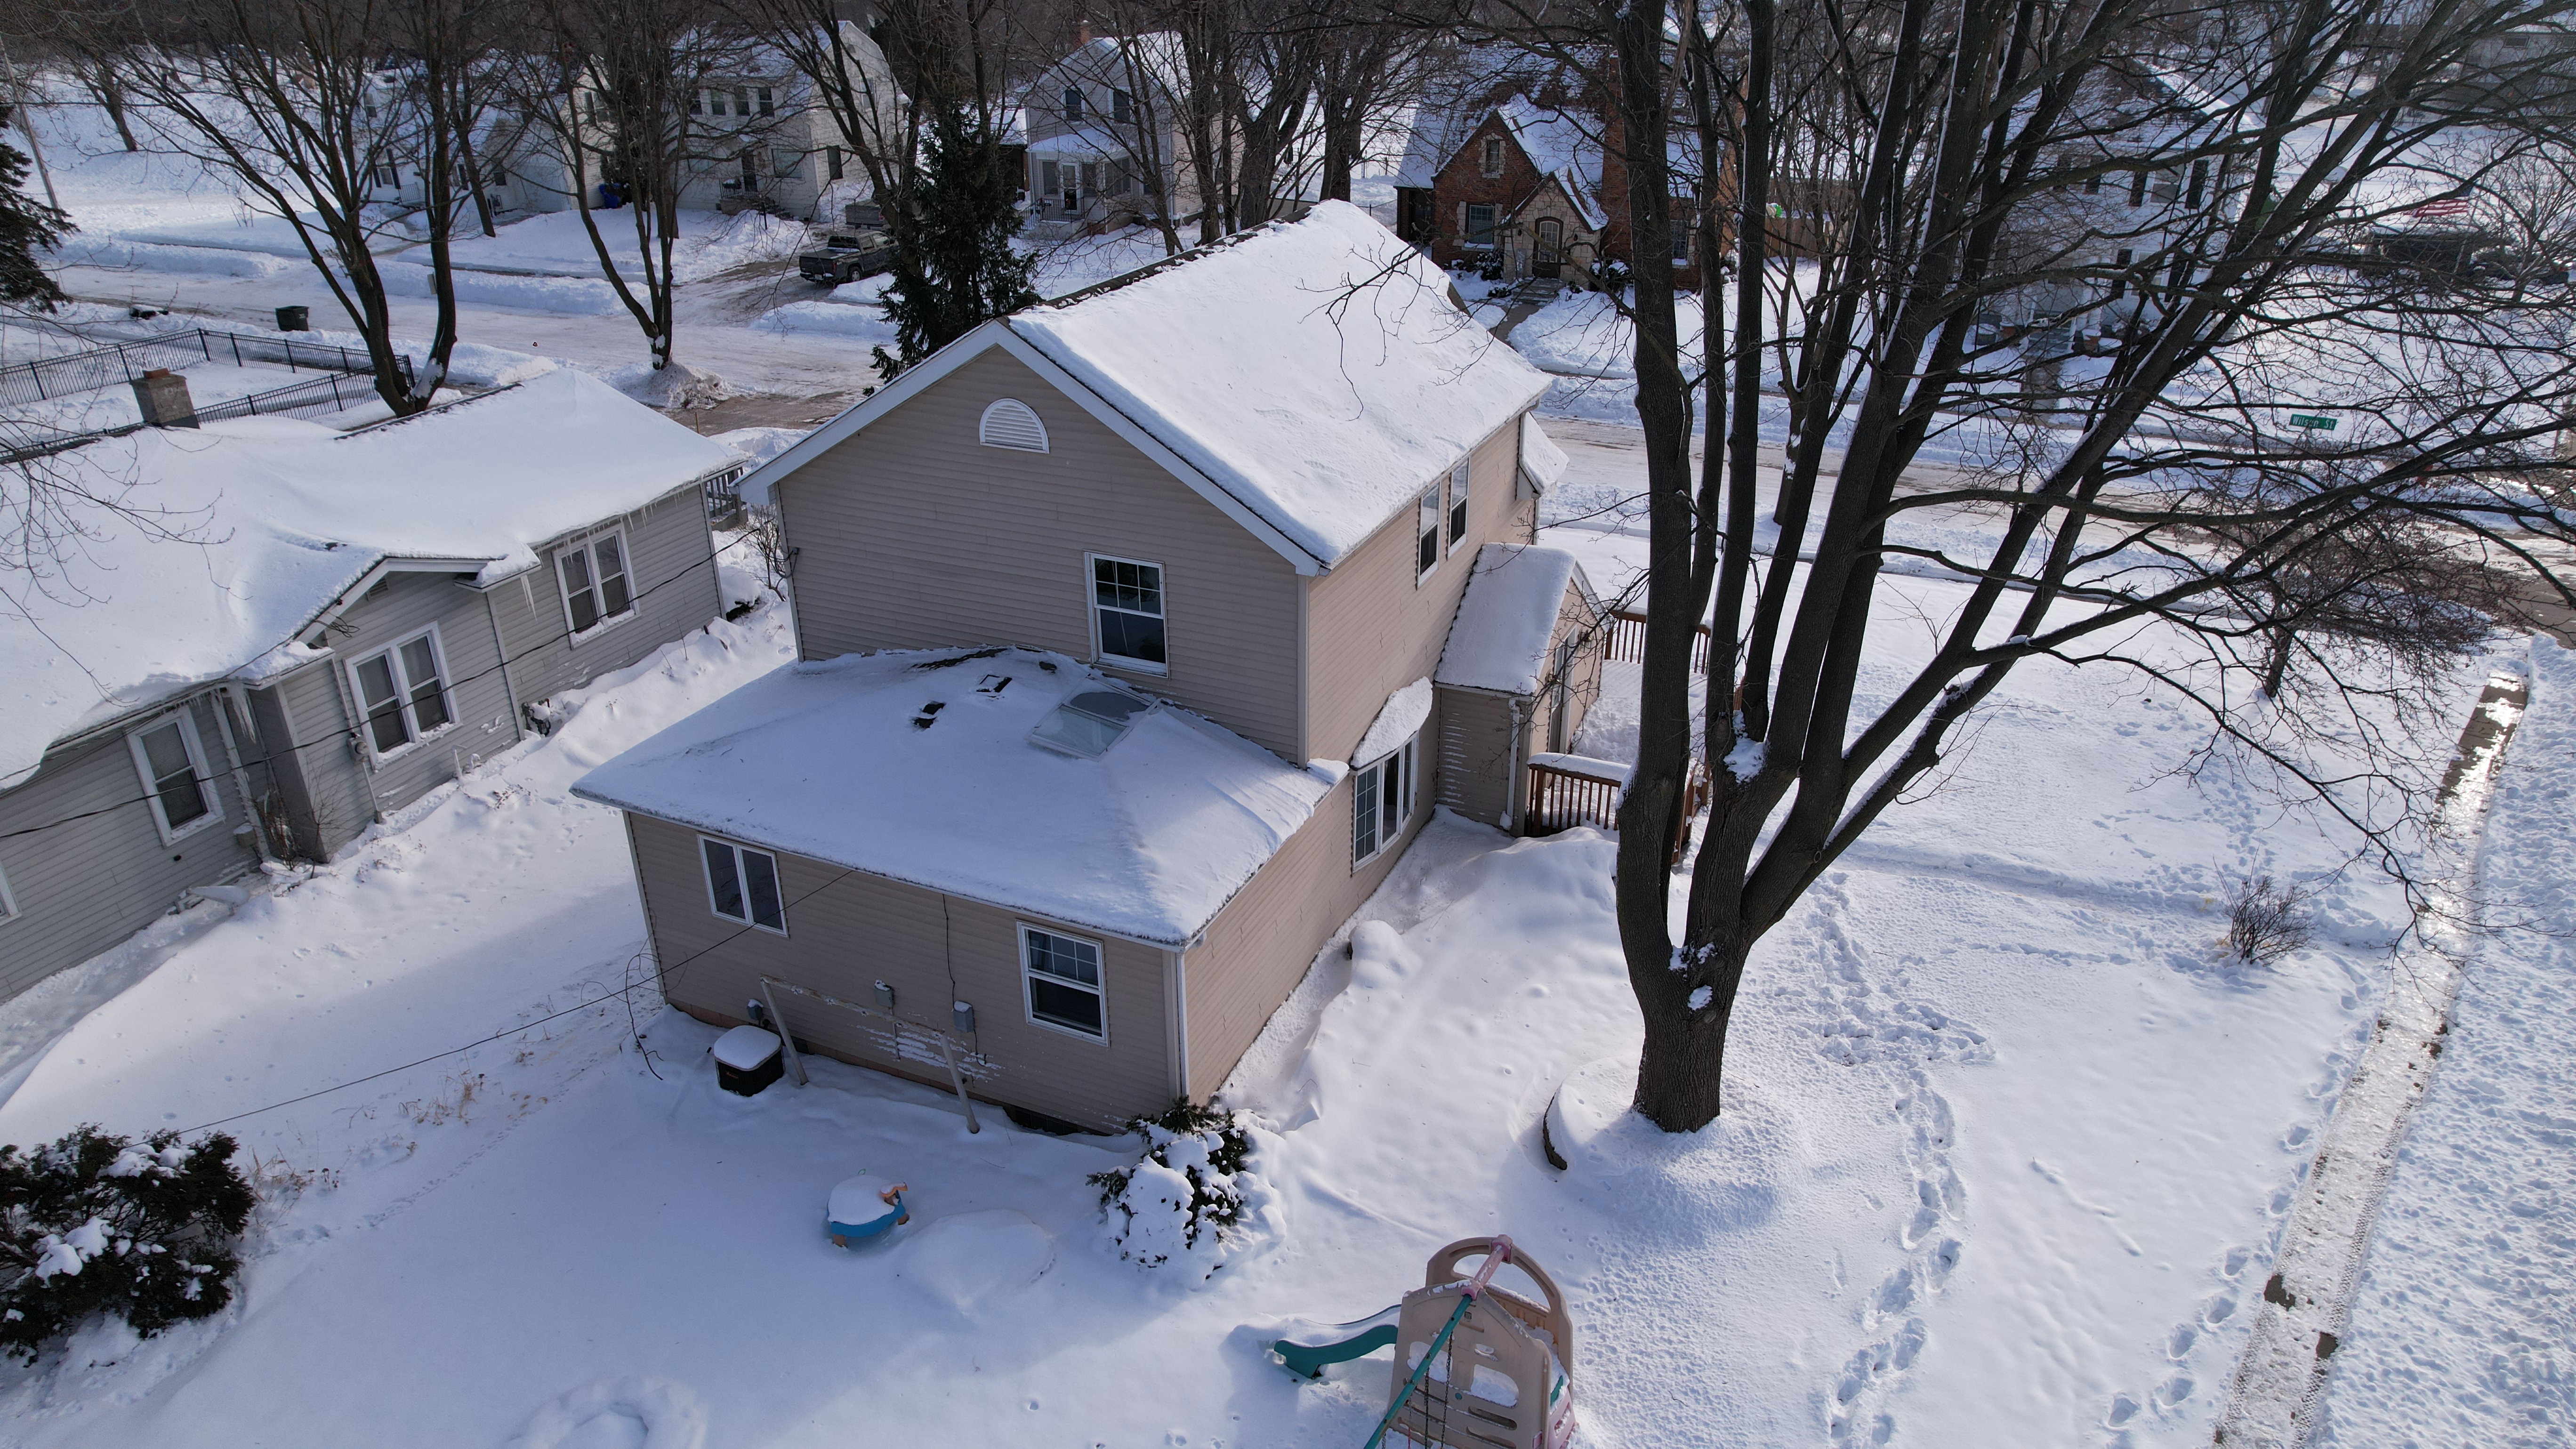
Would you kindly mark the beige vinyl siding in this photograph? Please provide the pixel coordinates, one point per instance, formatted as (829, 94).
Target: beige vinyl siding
(847, 931)
(912, 534)
(1476, 757)
(483, 724)
(1371, 630)
(668, 547)
(83, 885)
(1259, 947)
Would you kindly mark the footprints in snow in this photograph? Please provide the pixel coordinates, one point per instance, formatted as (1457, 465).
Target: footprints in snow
(1859, 1021)
(1930, 1238)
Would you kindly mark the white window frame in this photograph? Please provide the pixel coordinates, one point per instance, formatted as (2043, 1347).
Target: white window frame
(1092, 606)
(1406, 758)
(402, 693)
(1028, 998)
(588, 546)
(742, 876)
(1431, 501)
(186, 719)
(1454, 519)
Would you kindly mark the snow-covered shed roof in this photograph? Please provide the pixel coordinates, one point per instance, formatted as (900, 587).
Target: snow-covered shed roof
(1313, 370)
(1500, 638)
(830, 761)
(278, 519)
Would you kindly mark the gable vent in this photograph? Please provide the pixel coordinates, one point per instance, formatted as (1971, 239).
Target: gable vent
(1009, 423)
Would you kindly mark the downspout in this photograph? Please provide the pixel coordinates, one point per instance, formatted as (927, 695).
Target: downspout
(1181, 1012)
(223, 702)
(501, 651)
(1512, 771)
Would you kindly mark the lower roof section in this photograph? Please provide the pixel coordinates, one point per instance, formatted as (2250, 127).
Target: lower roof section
(925, 767)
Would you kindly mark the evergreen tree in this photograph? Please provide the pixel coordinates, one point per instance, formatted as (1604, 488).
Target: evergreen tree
(958, 268)
(96, 1223)
(26, 226)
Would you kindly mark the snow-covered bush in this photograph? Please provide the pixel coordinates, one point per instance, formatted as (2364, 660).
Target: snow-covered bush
(1190, 1193)
(96, 1223)
(2266, 922)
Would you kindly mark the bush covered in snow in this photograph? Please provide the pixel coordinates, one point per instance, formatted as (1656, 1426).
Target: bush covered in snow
(96, 1223)
(1192, 1190)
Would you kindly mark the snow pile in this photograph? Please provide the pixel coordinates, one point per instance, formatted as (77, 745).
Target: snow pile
(759, 445)
(1314, 370)
(1508, 619)
(866, 325)
(556, 244)
(674, 385)
(668, 1415)
(1193, 1199)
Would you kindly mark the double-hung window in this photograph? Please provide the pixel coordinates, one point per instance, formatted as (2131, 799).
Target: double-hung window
(1127, 612)
(1061, 976)
(1458, 504)
(742, 885)
(402, 691)
(595, 586)
(172, 761)
(1480, 224)
(1426, 532)
(1381, 803)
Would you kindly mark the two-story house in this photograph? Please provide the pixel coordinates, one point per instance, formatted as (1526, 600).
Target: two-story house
(1139, 631)
(282, 632)
(1104, 134)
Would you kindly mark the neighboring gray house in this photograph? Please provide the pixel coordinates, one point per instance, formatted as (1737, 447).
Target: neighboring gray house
(296, 630)
(1141, 632)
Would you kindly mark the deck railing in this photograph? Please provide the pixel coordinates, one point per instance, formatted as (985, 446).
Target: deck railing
(1568, 790)
(1625, 641)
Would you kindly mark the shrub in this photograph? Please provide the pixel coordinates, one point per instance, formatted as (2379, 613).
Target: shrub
(96, 1223)
(2266, 922)
(1188, 1191)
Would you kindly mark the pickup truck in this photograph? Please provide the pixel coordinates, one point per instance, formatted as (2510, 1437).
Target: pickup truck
(846, 257)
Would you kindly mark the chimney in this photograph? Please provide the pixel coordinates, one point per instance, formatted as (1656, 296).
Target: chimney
(163, 396)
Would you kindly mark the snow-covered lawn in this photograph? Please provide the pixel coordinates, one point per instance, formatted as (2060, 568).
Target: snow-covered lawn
(2005, 1151)
(2460, 1332)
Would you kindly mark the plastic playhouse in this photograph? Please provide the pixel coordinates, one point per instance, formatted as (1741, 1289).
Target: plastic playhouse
(1478, 1367)
(864, 1207)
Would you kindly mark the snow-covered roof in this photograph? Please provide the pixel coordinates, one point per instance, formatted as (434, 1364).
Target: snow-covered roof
(1558, 142)
(1314, 371)
(1500, 638)
(1455, 103)
(1398, 720)
(829, 761)
(280, 518)
(1541, 458)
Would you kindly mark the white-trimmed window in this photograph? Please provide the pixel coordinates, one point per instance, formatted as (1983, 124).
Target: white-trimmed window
(1060, 981)
(1381, 803)
(596, 589)
(742, 884)
(1426, 532)
(172, 761)
(1011, 423)
(1458, 504)
(1127, 613)
(402, 692)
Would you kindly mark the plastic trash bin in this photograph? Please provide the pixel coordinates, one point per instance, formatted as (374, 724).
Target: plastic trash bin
(294, 319)
(747, 1060)
(865, 1206)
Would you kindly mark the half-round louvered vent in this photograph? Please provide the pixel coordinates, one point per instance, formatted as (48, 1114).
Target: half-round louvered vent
(1010, 423)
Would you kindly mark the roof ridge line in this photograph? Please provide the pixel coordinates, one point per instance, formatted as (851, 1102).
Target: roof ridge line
(1154, 268)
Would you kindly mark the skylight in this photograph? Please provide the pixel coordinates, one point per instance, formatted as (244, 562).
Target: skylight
(1088, 723)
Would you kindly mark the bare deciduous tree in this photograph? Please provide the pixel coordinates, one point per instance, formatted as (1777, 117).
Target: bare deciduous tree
(2097, 260)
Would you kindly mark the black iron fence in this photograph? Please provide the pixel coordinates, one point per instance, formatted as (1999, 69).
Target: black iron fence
(329, 393)
(73, 373)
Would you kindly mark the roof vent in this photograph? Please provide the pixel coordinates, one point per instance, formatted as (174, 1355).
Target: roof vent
(1088, 723)
(1011, 423)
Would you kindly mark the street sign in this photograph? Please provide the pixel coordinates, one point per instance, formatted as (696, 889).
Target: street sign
(2311, 420)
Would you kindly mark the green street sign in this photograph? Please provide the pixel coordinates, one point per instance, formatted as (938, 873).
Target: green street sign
(2311, 420)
